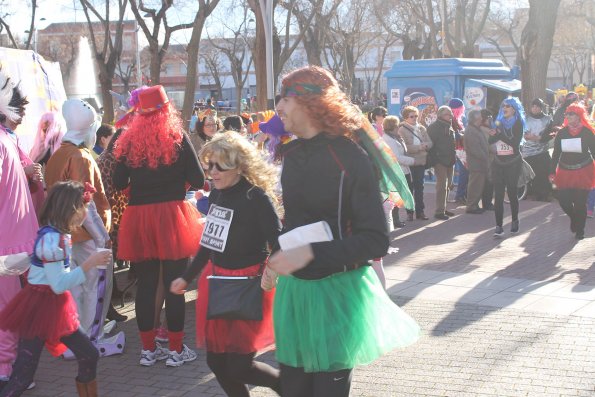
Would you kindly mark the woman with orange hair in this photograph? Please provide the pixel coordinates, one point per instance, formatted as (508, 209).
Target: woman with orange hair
(572, 162)
(158, 230)
(331, 312)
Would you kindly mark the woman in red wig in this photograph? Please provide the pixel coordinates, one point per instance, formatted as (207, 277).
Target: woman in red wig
(572, 161)
(158, 230)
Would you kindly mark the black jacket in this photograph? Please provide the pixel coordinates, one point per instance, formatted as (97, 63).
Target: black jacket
(512, 137)
(443, 142)
(165, 183)
(254, 227)
(315, 171)
(573, 160)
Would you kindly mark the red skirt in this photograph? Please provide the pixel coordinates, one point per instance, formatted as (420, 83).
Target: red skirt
(170, 230)
(38, 312)
(233, 336)
(582, 179)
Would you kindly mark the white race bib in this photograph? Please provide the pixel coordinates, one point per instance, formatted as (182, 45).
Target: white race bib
(503, 149)
(214, 235)
(572, 145)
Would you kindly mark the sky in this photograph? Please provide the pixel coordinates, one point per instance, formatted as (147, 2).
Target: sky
(55, 11)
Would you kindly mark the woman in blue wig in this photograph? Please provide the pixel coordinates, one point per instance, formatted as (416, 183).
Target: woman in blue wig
(506, 167)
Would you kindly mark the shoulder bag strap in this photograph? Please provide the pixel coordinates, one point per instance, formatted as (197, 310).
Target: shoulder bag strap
(414, 134)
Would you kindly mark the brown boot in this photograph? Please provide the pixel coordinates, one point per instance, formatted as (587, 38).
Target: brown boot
(87, 389)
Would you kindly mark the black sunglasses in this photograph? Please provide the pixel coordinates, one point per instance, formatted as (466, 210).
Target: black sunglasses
(211, 165)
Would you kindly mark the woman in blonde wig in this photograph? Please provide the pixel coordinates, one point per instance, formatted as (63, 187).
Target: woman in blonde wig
(243, 191)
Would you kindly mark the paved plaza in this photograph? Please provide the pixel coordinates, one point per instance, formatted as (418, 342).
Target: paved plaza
(507, 317)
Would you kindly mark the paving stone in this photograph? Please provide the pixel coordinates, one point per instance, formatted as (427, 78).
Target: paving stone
(474, 297)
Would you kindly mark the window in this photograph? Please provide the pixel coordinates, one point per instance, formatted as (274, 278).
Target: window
(127, 42)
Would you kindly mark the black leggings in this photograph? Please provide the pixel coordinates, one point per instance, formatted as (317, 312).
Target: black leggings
(540, 186)
(147, 274)
(396, 209)
(28, 355)
(297, 383)
(234, 371)
(418, 173)
(574, 204)
(506, 177)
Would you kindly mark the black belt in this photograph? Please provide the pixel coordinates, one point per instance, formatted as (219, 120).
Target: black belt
(576, 166)
(348, 268)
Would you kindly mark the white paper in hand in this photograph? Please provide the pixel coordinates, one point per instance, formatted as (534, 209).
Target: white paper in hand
(303, 235)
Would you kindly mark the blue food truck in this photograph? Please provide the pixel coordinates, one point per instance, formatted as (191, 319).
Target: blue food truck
(430, 83)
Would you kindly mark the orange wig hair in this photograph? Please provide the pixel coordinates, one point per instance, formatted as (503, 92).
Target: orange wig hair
(152, 139)
(330, 110)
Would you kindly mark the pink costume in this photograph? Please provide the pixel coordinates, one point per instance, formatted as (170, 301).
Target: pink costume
(18, 231)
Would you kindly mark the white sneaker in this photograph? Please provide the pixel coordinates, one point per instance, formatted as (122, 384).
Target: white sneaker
(148, 358)
(31, 386)
(176, 359)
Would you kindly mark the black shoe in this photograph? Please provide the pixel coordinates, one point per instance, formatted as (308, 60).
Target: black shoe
(422, 217)
(443, 217)
(514, 227)
(122, 264)
(449, 213)
(475, 211)
(580, 235)
(499, 231)
(398, 224)
(112, 314)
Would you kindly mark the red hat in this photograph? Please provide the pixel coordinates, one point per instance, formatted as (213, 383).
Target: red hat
(151, 99)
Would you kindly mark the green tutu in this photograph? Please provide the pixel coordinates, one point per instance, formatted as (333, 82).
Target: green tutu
(338, 322)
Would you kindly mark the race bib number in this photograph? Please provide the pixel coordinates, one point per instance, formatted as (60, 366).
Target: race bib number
(573, 145)
(503, 149)
(214, 235)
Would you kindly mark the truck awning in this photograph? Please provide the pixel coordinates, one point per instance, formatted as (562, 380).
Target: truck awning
(509, 86)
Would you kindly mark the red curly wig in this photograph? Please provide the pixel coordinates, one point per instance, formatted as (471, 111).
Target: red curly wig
(330, 110)
(152, 139)
(579, 110)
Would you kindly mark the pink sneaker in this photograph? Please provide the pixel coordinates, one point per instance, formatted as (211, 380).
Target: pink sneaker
(589, 213)
(161, 335)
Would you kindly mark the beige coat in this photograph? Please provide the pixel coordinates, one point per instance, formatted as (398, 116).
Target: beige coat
(406, 131)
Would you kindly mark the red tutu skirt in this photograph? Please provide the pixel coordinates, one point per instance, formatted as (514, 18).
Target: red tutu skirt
(170, 230)
(582, 179)
(233, 336)
(38, 312)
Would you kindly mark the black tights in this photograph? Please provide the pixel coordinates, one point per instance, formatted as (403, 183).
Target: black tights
(234, 371)
(297, 383)
(506, 177)
(148, 278)
(28, 355)
(574, 204)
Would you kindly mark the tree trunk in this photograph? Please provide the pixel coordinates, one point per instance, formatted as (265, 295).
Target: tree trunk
(155, 66)
(537, 40)
(239, 89)
(106, 98)
(191, 72)
(312, 52)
